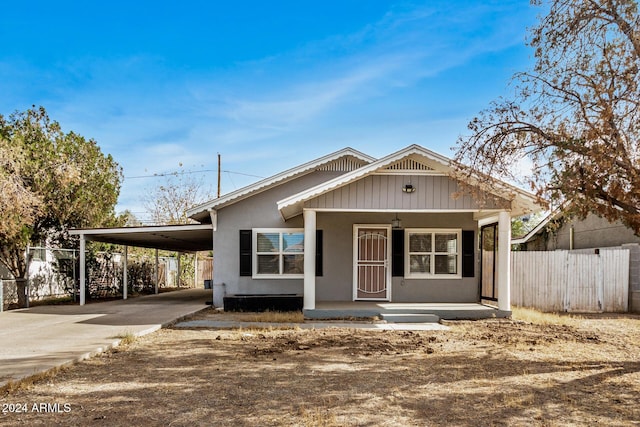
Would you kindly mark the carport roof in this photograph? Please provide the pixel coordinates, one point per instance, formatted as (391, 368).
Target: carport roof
(179, 238)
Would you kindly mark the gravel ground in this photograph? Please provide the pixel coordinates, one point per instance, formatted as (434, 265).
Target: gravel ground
(582, 371)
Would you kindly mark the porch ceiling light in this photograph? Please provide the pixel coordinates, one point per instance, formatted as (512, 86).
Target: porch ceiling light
(408, 188)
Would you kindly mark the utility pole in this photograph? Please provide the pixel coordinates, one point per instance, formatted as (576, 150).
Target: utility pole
(219, 175)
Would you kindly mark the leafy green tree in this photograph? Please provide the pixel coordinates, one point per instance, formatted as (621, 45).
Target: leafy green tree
(58, 181)
(18, 206)
(575, 116)
(522, 225)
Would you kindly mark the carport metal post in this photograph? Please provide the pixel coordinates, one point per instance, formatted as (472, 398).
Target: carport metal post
(195, 270)
(178, 275)
(83, 265)
(157, 272)
(125, 275)
(27, 260)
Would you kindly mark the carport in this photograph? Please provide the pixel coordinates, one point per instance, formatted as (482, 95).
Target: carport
(186, 238)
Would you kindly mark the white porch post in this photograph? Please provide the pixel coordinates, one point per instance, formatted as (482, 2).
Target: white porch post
(309, 300)
(504, 261)
(157, 272)
(125, 276)
(83, 264)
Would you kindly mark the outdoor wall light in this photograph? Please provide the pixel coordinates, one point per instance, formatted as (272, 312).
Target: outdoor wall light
(408, 188)
(396, 223)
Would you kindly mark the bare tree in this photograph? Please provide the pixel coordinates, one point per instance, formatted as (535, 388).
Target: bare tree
(168, 202)
(575, 116)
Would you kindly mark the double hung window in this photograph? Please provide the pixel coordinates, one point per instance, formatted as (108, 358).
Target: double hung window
(278, 253)
(432, 253)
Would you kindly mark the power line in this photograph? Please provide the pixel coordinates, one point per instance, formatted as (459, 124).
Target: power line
(158, 175)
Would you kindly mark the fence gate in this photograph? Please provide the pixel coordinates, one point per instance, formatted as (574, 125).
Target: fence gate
(488, 258)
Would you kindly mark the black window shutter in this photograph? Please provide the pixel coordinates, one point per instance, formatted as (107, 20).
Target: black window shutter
(245, 253)
(318, 252)
(468, 251)
(397, 253)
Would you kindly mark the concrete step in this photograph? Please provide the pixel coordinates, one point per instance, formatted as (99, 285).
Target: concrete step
(410, 318)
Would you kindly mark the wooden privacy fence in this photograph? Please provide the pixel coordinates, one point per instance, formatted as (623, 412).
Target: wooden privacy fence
(571, 282)
(205, 269)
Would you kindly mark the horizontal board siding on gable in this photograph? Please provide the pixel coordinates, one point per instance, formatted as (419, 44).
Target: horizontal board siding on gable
(385, 192)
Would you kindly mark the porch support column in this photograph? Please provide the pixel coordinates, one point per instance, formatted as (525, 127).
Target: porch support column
(309, 299)
(504, 261)
(83, 265)
(125, 275)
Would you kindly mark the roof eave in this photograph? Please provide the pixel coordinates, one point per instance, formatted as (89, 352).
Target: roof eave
(361, 173)
(292, 205)
(542, 224)
(202, 211)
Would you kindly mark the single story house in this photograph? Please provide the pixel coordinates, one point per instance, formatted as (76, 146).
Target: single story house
(350, 228)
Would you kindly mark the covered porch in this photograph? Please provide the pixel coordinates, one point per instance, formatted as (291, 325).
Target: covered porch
(350, 257)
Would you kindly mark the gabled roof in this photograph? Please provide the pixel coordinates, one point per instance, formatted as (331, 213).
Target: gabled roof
(431, 163)
(345, 159)
(554, 214)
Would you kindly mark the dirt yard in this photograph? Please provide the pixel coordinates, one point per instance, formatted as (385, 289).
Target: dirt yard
(496, 372)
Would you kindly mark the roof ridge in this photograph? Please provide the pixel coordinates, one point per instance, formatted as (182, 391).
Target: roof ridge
(266, 183)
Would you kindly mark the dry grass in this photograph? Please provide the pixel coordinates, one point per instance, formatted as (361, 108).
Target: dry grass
(484, 373)
(316, 417)
(266, 316)
(25, 384)
(539, 318)
(126, 338)
(275, 317)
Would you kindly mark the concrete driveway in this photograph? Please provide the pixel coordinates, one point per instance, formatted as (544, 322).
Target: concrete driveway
(37, 339)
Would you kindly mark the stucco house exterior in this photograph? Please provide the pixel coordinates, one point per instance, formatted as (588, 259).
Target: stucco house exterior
(347, 227)
(558, 231)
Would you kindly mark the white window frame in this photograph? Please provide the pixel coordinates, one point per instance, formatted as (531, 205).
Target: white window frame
(431, 274)
(280, 253)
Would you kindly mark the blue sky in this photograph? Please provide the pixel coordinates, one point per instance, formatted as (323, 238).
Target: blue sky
(268, 85)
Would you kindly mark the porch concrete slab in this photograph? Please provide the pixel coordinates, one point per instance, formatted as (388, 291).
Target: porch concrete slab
(364, 309)
(224, 324)
(38, 339)
(409, 318)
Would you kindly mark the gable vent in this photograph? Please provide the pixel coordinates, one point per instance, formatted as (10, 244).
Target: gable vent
(408, 164)
(345, 164)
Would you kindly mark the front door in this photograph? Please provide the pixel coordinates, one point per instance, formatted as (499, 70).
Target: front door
(371, 253)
